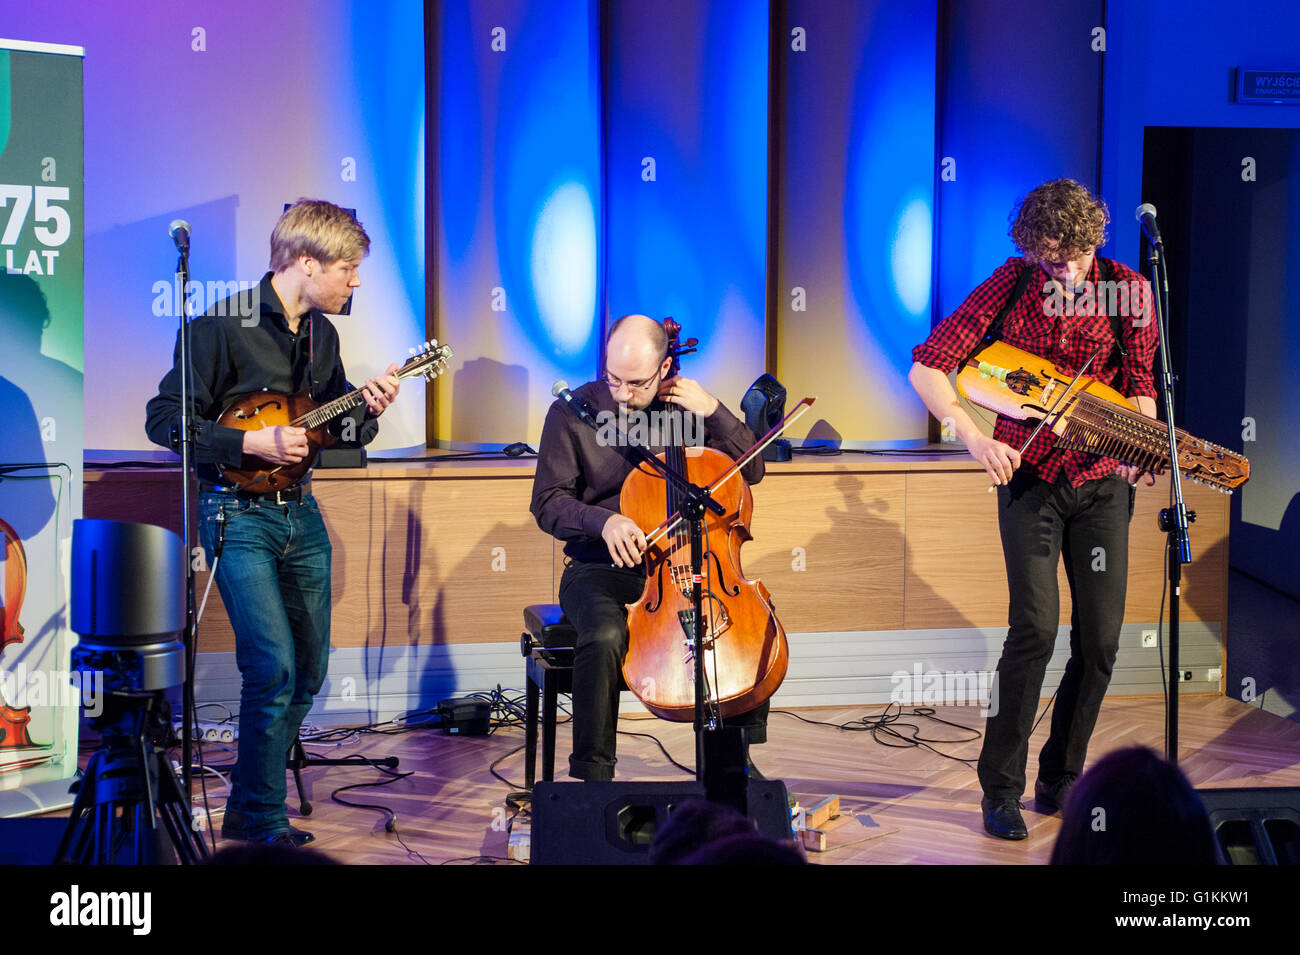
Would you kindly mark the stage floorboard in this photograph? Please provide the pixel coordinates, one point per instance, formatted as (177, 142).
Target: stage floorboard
(899, 805)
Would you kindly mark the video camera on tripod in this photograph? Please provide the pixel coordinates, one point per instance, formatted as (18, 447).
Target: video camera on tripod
(128, 605)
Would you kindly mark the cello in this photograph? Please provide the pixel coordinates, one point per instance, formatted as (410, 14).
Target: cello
(746, 653)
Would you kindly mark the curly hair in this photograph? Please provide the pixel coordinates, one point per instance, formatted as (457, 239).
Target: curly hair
(1063, 211)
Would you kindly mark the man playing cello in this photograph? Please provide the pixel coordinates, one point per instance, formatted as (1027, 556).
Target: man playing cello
(576, 499)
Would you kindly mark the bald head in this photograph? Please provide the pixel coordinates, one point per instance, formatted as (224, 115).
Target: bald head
(637, 334)
(636, 351)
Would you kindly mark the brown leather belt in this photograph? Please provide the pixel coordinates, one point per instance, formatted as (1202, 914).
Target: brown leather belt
(291, 495)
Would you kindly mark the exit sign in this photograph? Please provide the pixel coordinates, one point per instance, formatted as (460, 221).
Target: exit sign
(1268, 86)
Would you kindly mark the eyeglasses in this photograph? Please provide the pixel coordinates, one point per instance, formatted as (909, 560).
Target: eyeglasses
(616, 383)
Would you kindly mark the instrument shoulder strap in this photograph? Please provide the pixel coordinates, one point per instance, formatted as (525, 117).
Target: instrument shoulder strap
(1105, 268)
(994, 331)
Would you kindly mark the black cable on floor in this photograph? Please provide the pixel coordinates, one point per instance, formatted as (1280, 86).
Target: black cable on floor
(882, 725)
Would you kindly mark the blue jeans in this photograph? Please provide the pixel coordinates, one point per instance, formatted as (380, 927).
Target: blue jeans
(274, 578)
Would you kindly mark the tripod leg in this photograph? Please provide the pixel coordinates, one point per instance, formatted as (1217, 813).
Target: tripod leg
(73, 840)
(151, 777)
(141, 837)
(104, 834)
(187, 843)
(81, 854)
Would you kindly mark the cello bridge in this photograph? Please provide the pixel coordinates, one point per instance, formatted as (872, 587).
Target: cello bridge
(715, 625)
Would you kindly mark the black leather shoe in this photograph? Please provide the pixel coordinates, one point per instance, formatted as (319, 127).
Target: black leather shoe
(233, 828)
(282, 841)
(1050, 797)
(300, 837)
(1002, 818)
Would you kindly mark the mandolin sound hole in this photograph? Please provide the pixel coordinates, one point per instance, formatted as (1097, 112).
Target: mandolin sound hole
(256, 412)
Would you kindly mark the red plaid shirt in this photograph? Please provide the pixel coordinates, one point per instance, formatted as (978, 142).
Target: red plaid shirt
(1065, 340)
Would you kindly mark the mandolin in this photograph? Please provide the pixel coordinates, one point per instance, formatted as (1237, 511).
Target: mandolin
(267, 409)
(1091, 416)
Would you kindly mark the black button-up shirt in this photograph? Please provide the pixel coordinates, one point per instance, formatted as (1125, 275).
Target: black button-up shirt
(579, 475)
(241, 345)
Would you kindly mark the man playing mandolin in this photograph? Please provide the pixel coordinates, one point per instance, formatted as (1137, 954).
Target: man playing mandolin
(1052, 503)
(274, 554)
(576, 499)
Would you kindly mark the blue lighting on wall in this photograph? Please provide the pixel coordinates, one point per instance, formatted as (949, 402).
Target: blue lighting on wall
(690, 91)
(910, 262)
(563, 264)
(394, 126)
(889, 194)
(546, 158)
(460, 129)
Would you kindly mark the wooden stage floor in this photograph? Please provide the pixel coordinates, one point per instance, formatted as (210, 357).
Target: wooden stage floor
(899, 805)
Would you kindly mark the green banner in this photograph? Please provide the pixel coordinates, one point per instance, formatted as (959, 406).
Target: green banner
(42, 229)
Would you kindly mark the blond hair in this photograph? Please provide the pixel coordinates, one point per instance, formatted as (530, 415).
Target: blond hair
(318, 229)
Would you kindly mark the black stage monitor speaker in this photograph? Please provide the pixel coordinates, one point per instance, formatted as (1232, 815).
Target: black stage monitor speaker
(1257, 826)
(614, 823)
(763, 407)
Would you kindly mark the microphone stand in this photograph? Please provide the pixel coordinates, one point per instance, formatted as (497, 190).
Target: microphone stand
(1174, 520)
(190, 638)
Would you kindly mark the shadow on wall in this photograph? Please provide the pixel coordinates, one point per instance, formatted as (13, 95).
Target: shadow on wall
(489, 402)
(24, 372)
(133, 306)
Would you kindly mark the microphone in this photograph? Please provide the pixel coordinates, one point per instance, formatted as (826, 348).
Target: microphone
(1146, 215)
(561, 390)
(179, 230)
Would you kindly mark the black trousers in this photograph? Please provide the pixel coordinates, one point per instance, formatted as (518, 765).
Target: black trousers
(594, 597)
(1040, 524)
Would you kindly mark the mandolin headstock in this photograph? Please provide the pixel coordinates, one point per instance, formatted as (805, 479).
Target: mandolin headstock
(428, 360)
